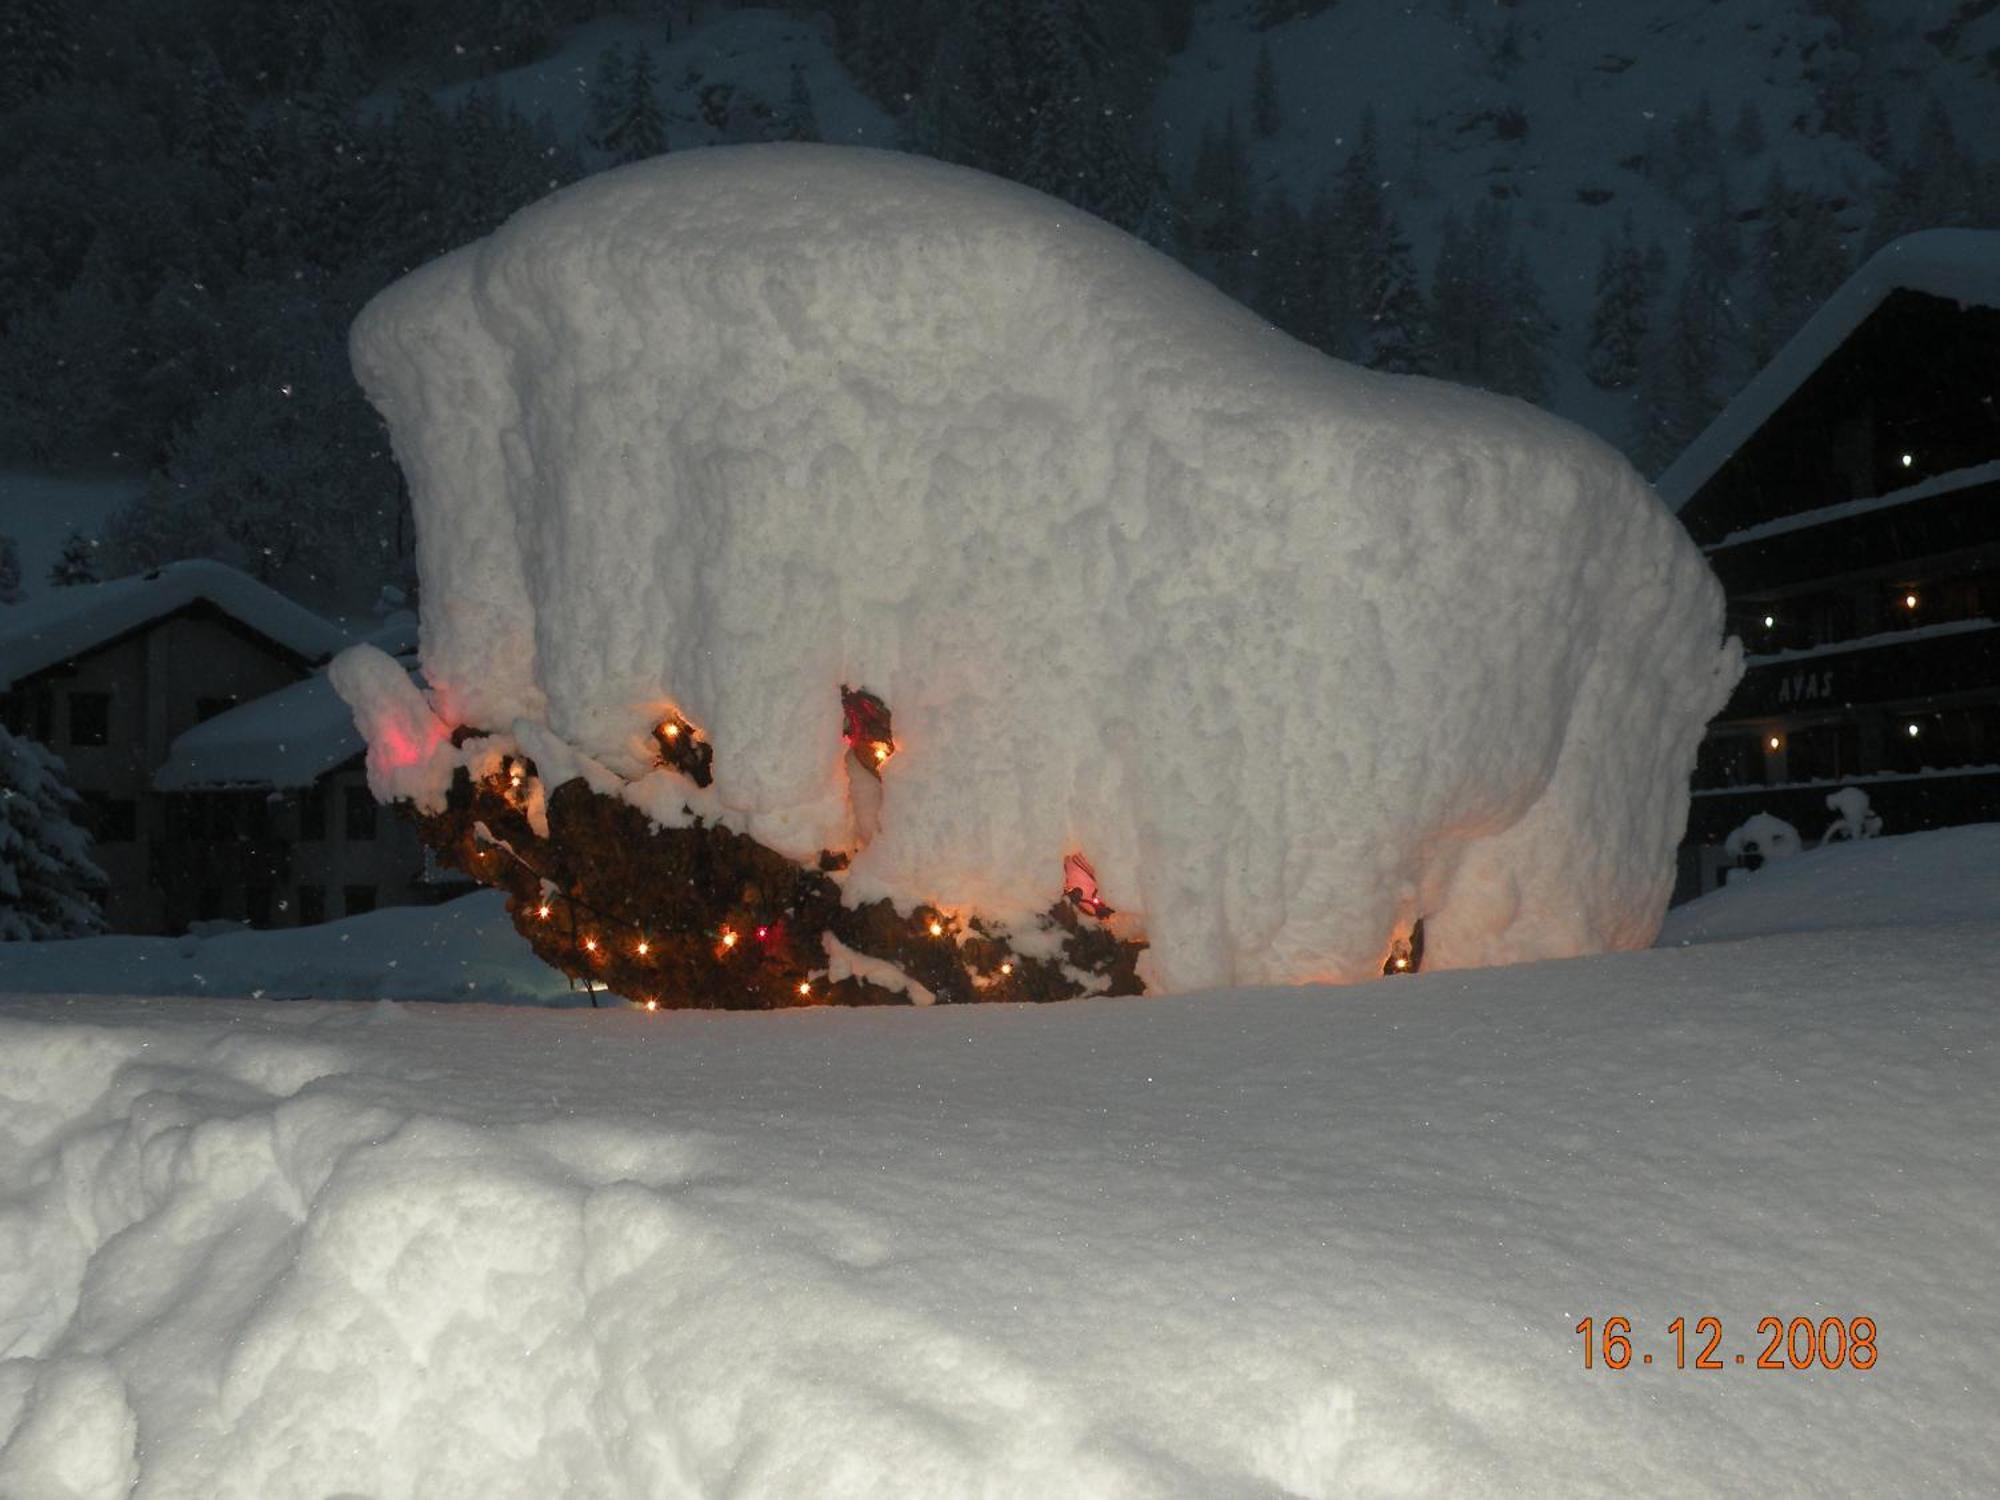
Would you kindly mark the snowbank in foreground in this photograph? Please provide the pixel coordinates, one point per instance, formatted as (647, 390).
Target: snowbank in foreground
(463, 949)
(1268, 1244)
(1295, 653)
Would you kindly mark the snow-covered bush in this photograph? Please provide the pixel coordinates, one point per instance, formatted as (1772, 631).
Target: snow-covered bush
(1761, 837)
(1853, 819)
(1295, 653)
(48, 884)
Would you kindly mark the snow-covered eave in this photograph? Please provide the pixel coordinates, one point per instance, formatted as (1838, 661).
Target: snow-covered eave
(67, 623)
(1961, 265)
(292, 776)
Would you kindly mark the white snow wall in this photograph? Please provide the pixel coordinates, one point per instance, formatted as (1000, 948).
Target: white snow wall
(1295, 652)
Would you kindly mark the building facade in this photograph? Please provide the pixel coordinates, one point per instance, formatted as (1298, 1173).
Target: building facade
(1849, 501)
(133, 683)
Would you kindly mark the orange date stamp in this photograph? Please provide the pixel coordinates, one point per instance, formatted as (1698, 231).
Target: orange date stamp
(1801, 1344)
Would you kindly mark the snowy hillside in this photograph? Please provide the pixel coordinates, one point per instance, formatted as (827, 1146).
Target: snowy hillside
(721, 80)
(41, 512)
(1270, 1243)
(1566, 113)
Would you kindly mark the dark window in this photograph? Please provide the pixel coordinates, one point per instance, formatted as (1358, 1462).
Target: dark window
(1825, 752)
(215, 819)
(312, 905)
(31, 713)
(207, 708)
(89, 718)
(359, 899)
(1728, 760)
(312, 814)
(360, 813)
(111, 820)
(257, 905)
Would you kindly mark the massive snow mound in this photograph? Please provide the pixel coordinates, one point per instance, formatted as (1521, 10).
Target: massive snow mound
(1295, 653)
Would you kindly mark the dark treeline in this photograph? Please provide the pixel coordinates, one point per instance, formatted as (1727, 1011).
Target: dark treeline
(196, 196)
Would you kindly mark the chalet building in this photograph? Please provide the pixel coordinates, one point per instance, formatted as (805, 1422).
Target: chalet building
(221, 775)
(1849, 501)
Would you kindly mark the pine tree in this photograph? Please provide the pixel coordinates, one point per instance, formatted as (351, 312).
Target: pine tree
(218, 132)
(1394, 321)
(49, 887)
(1799, 260)
(1878, 137)
(1221, 210)
(1521, 358)
(77, 563)
(1284, 267)
(37, 49)
(1621, 311)
(799, 122)
(1747, 135)
(1359, 245)
(10, 570)
(640, 129)
(1490, 326)
(1678, 395)
(604, 101)
(519, 33)
(1267, 111)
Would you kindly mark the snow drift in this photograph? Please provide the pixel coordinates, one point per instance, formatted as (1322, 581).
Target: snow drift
(1248, 1244)
(1294, 652)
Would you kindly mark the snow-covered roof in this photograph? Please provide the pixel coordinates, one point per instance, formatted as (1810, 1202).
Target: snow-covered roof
(1962, 265)
(289, 738)
(67, 622)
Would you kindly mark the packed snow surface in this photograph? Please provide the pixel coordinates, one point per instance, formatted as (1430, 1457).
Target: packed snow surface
(465, 949)
(1275, 1242)
(1294, 653)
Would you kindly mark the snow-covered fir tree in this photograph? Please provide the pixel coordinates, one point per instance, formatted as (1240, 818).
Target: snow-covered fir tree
(1746, 136)
(37, 48)
(798, 121)
(76, 563)
(10, 570)
(638, 129)
(1798, 261)
(1620, 313)
(1489, 324)
(49, 887)
(1219, 209)
(1267, 110)
(604, 100)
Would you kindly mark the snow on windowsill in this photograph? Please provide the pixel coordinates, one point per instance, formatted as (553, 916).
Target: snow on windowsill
(1937, 484)
(1873, 642)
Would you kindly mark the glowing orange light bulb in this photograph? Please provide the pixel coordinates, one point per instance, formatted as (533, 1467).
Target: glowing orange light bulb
(644, 947)
(590, 945)
(937, 929)
(652, 1005)
(671, 731)
(542, 910)
(881, 752)
(1006, 968)
(728, 938)
(805, 987)
(1909, 601)
(1402, 963)
(1773, 742)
